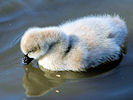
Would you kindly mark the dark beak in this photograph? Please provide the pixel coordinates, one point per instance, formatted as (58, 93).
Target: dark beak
(26, 60)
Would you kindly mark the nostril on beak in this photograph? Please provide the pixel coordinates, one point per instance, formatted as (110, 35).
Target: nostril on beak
(26, 60)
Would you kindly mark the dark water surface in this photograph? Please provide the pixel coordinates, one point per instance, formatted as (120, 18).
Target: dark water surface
(18, 82)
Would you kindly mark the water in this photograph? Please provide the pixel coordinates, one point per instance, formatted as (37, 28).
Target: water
(18, 82)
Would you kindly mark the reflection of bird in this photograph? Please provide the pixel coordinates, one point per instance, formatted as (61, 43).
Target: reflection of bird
(38, 82)
(76, 45)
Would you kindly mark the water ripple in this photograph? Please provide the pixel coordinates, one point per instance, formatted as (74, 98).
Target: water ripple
(11, 17)
(13, 43)
(16, 40)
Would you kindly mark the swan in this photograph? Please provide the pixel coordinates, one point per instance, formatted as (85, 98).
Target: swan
(75, 45)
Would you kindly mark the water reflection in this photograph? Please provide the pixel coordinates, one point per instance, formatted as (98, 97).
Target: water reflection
(38, 81)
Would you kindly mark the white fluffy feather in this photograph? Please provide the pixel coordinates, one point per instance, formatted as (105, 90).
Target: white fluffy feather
(93, 39)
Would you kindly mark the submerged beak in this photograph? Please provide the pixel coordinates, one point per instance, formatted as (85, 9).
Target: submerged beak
(26, 60)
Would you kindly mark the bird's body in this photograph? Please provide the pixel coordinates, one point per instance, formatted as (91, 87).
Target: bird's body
(77, 45)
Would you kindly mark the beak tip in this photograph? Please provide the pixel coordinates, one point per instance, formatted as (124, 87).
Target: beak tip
(24, 63)
(26, 60)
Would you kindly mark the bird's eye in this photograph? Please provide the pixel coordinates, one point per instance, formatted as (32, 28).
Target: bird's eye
(30, 51)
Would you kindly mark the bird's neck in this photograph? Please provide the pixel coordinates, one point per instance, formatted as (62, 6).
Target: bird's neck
(54, 57)
(60, 46)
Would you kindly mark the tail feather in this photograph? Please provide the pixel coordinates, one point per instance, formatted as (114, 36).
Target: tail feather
(120, 30)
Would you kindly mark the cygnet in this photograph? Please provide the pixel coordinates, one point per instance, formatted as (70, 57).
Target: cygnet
(75, 45)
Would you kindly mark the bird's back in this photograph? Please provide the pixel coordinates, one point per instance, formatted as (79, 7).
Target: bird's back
(94, 30)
